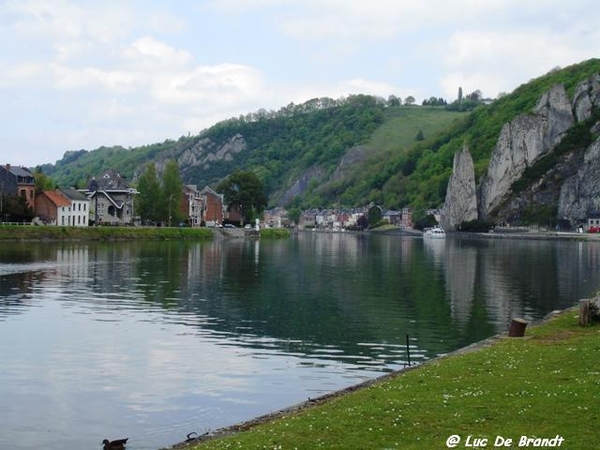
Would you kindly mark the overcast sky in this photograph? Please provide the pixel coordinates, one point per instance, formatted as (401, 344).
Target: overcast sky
(81, 74)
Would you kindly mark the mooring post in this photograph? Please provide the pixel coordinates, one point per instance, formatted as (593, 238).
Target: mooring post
(584, 312)
(517, 328)
(407, 349)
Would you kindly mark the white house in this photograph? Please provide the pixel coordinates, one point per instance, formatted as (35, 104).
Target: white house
(80, 207)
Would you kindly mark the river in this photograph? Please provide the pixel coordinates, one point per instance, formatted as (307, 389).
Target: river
(154, 340)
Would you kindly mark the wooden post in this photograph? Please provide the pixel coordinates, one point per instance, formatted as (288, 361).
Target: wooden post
(517, 328)
(584, 312)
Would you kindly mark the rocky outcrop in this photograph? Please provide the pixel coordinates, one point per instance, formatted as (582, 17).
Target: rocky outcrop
(586, 97)
(580, 194)
(301, 185)
(206, 151)
(522, 142)
(353, 157)
(461, 198)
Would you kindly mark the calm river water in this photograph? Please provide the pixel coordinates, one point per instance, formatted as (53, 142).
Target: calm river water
(153, 340)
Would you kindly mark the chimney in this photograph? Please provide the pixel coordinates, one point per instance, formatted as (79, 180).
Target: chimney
(8, 167)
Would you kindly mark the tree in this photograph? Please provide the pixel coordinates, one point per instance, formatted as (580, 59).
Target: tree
(375, 215)
(14, 208)
(172, 191)
(420, 136)
(394, 101)
(410, 100)
(475, 96)
(245, 191)
(148, 200)
(42, 181)
(294, 214)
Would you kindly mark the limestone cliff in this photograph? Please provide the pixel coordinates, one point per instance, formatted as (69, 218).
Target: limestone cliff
(521, 142)
(586, 97)
(461, 200)
(572, 185)
(204, 152)
(580, 194)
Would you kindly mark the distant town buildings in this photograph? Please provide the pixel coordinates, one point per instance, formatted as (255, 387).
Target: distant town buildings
(110, 200)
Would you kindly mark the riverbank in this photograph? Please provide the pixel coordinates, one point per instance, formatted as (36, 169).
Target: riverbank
(534, 391)
(51, 233)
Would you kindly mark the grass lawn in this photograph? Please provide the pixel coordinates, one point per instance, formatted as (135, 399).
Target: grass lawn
(402, 124)
(544, 385)
(30, 232)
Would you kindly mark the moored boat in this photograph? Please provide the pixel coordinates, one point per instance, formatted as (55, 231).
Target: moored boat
(435, 232)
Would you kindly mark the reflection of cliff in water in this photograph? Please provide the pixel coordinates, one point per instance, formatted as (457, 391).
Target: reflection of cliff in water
(497, 280)
(357, 296)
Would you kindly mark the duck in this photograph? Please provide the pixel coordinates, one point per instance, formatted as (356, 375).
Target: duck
(118, 444)
(192, 436)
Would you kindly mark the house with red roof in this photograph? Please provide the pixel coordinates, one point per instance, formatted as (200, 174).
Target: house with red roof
(53, 208)
(66, 208)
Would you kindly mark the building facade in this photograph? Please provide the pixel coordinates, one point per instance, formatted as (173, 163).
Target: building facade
(191, 205)
(18, 181)
(111, 199)
(66, 208)
(212, 207)
(80, 207)
(53, 208)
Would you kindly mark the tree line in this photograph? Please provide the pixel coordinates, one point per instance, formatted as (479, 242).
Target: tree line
(159, 200)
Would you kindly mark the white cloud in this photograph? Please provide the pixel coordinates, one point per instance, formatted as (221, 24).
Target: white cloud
(483, 60)
(154, 53)
(59, 20)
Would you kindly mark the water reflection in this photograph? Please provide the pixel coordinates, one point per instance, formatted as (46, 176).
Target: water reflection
(156, 339)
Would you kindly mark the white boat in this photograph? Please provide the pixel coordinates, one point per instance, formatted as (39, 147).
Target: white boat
(435, 232)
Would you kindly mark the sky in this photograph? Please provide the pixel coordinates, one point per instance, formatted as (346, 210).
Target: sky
(83, 74)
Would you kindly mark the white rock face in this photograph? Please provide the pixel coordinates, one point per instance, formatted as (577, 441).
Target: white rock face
(587, 95)
(522, 142)
(461, 196)
(580, 194)
(204, 152)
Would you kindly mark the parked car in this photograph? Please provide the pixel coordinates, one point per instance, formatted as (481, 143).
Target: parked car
(594, 230)
(229, 225)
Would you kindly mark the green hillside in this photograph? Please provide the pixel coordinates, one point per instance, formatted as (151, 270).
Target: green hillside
(419, 176)
(403, 153)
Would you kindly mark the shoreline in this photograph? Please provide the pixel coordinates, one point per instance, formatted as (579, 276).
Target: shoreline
(241, 427)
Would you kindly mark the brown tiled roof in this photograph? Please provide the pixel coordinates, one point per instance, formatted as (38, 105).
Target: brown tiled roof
(57, 198)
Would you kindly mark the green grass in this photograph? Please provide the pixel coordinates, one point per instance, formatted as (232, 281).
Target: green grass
(14, 232)
(402, 124)
(543, 385)
(274, 233)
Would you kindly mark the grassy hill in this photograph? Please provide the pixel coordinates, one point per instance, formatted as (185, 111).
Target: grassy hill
(401, 155)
